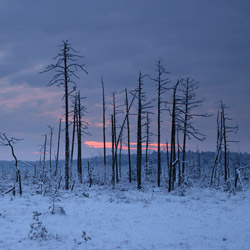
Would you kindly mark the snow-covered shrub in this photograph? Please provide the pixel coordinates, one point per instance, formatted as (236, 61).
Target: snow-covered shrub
(37, 231)
(56, 209)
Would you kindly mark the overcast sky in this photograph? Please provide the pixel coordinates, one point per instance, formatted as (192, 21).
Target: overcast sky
(205, 40)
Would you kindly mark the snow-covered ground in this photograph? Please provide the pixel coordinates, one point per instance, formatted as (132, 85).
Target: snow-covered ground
(128, 219)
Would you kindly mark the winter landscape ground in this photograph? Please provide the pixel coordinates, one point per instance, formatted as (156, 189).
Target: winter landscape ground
(100, 217)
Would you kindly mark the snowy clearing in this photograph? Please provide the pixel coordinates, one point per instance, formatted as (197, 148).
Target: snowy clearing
(128, 219)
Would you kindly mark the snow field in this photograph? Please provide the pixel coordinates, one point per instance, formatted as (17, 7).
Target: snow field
(129, 219)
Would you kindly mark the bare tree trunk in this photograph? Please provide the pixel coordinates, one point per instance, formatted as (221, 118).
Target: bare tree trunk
(128, 129)
(139, 134)
(44, 156)
(58, 147)
(113, 152)
(218, 148)
(223, 121)
(104, 129)
(147, 143)
(50, 149)
(167, 155)
(159, 131)
(66, 96)
(18, 174)
(116, 145)
(185, 130)
(179, 163)
(172, 169)
(120, 159)
(79, 137)
(73, 138)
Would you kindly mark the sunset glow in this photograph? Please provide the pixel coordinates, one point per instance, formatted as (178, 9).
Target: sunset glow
(98, 144)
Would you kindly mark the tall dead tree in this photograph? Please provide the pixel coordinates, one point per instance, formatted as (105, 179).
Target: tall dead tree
(218, 148)
(65, 69)
(172, 166)
(141, 111)
(120, 159)
(116, 142)
(113, 151)
(58, 147)
(128, 136)
(79, 139)
(139, 132)
(226, 129)
(148, 136)
(6, 142)
(114, 135)
(223, 131)
(82, 126)
(161, 83)
(167, 152)
(75, 118)
(44, 157)
(104, 128)
(188, 105)
(50, 149)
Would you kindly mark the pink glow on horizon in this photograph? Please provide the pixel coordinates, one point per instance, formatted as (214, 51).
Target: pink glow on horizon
(97, 144)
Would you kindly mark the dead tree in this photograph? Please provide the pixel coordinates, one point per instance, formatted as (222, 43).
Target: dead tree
(218, 148)
(58, 147)
(75, 118)
(82, 126)
(104, 128)
(148, 136)
(139, 132)
(141, 111)
(116, 142)
(65, 69)
(113, 151)
(178, 153)
(128, 133)
(6, 142)
(188, 104)
(50, 149)
(161, 83)
(120, 159)
(114, 135)
(172, 166)
(223, 131)
(44, 157)
(167, 152)
(226, 129)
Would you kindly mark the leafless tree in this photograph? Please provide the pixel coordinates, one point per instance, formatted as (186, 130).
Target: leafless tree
(120, 159)
(148, 136)
(142, 109)
(113, 151)
(58, 147)
(65, 69)
(226, 130)
(104, 128)
(6, 142)
(50, 149)
(188, 105)
(75, 119)
(44, 157)
(161, 83)
(172, 166)
(128, 132)
(223, 131)
(82, 126)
